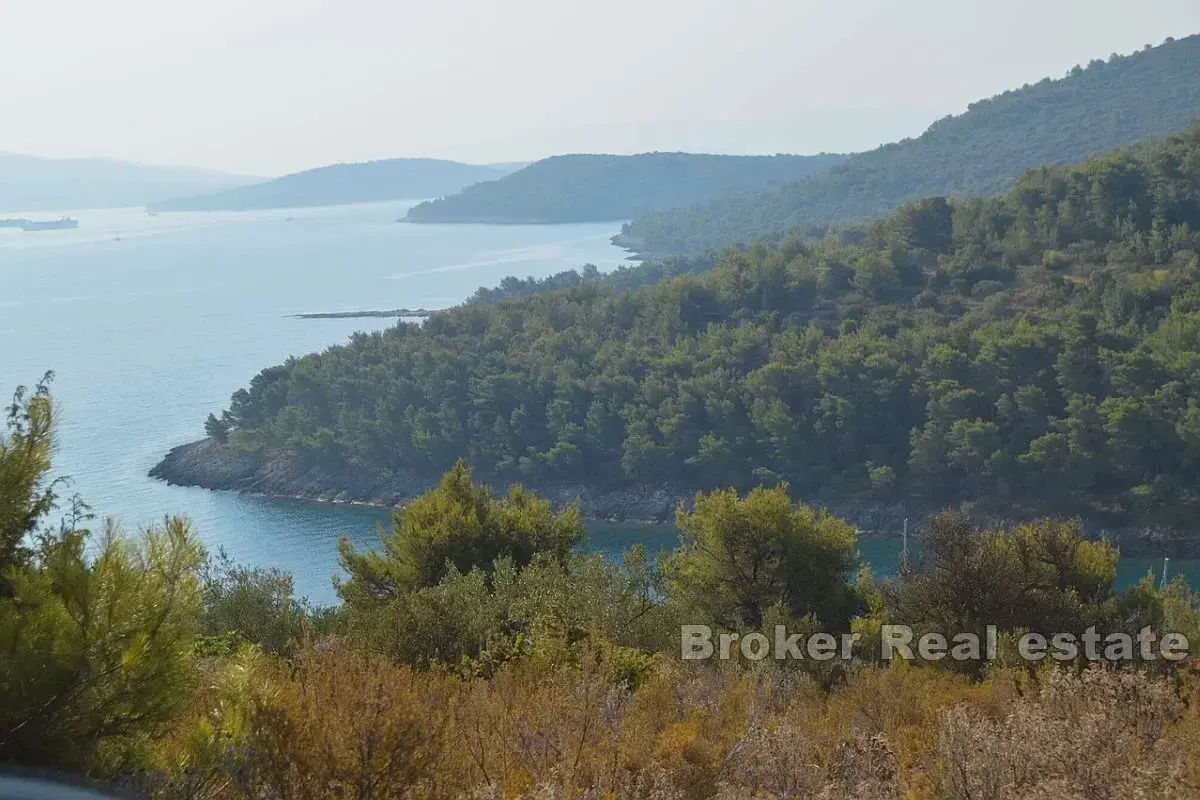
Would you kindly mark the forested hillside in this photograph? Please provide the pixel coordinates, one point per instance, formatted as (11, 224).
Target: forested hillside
(587, 188)
(367, 182)
(1035, 352)
(624, 278)
(982, 151)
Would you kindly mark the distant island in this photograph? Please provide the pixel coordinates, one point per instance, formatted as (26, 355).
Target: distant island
(983, 151)
(339, 184)
(395, 312)
(602, 188)
(31, 183)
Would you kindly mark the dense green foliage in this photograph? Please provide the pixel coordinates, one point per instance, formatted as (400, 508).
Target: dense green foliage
(367, 182)
(25, 497)
(742, 556)
(624, 278)
(982, 151)
(744, 563)
(243, 605)
(1041, 576)
(459, 526)
(96, 646)
(587, 188)
(1035, 352)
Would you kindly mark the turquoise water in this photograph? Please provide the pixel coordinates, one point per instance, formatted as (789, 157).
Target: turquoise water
(884, 557)
(881, 554)
(151, 333)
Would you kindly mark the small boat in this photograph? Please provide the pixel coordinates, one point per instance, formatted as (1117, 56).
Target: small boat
(62, 223)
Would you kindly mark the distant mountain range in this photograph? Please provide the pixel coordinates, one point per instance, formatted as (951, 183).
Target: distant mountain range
(30, 183)
(982, 151)
(596, 188)
(337, 184)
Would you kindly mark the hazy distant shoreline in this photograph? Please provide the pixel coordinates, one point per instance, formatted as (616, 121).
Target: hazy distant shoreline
(512, 221)
(381, 181)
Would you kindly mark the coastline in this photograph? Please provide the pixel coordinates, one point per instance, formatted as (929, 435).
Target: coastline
(484, 220)
(395, 312)
(208, 464)
(633, 245)
(636, 247)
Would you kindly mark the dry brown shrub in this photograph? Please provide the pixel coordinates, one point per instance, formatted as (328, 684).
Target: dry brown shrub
(528, 728)
(1186, 733)
(784, 763)
(341, 724)
(1097, 735)
(902, 705)
(345, 724)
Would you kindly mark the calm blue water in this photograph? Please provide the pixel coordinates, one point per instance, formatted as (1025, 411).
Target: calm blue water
(151, 333)
(884, 557)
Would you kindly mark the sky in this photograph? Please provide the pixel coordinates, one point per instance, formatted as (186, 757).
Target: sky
(266, 87)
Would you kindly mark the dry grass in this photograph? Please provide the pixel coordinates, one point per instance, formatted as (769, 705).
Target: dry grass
(340, 724)
(1103, 734)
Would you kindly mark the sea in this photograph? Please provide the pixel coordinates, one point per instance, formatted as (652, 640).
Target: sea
(150, 322)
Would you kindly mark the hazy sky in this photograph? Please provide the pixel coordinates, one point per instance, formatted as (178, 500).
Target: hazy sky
(270, 86)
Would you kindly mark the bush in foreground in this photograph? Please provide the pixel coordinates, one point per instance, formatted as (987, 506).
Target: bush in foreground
(526, 671)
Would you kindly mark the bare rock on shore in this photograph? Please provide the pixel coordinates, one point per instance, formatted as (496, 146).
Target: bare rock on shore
(212, 465)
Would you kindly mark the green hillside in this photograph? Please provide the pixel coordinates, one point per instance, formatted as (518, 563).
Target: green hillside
(366, 182)
(1044, 345)
(982, 151)
(596, 188)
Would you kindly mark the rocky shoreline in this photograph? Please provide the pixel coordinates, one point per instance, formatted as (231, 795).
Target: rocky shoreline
(635, 246)
(211, 465)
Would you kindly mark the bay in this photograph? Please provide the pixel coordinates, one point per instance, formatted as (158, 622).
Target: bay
(151, 322)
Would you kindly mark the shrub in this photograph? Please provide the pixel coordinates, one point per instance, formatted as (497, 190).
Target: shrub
(740, 556)
(255, 605)
(1095, 735)
(98, 650)
(458, 525)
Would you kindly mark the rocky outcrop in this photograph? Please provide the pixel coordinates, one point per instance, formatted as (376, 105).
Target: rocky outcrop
(212, 465)
(636, 247)
(208, 464)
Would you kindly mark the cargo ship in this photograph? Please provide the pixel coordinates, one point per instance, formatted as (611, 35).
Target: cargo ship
(62, 223)
(13, 222)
